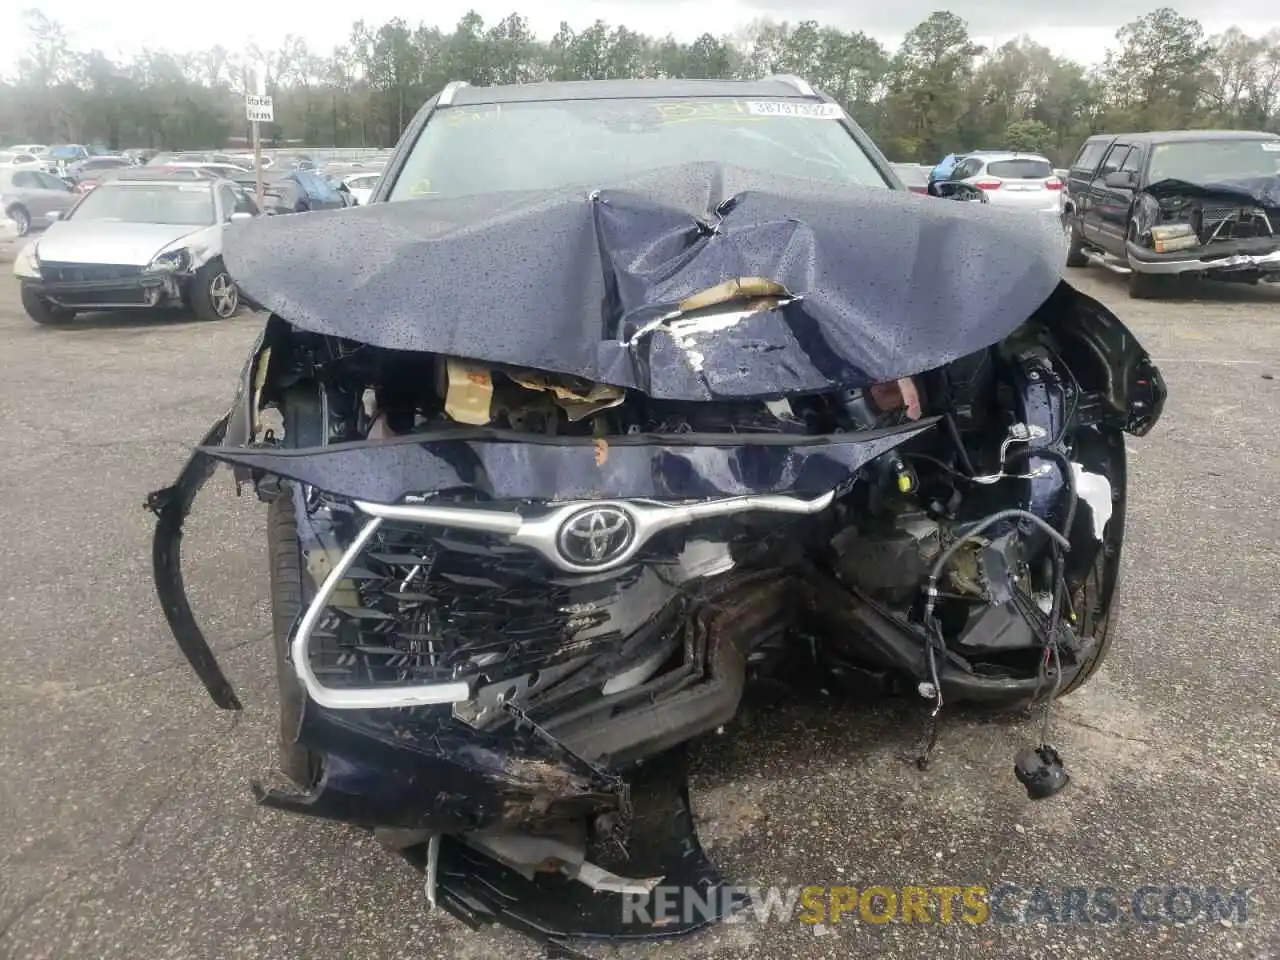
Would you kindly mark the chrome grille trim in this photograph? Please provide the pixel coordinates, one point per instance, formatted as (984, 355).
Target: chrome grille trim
(538, 534)
(541, 533)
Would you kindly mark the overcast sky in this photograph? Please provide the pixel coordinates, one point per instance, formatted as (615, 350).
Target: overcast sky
(1079, 28)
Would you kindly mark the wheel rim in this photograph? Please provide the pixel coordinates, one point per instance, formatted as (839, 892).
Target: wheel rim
(22, 220)
(223, 295)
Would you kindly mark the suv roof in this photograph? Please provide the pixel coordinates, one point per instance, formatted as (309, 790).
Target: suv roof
(995, 156)
(1175, 136)
(778, 87)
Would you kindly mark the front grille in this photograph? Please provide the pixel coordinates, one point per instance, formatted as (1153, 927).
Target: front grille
(1233, 222)
(72, 272)
(125, 296)
(421, 605)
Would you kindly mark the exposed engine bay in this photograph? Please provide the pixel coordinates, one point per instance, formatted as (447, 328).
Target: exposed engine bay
(1233, 226)
(506, 595)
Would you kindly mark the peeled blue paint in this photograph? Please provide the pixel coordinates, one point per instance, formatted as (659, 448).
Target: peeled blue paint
(888, 284)
(387, 471)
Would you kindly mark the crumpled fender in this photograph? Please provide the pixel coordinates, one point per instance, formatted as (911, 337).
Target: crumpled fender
(1108, 358)
(171, 506)
(1145, 215)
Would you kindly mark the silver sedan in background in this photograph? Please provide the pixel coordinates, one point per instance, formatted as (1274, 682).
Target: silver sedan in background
(33, 199)
(149, 241)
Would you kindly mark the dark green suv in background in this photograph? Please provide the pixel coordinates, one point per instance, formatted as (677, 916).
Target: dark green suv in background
(1196, 202)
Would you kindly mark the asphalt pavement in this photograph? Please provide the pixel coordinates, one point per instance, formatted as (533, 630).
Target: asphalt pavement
(127, 829)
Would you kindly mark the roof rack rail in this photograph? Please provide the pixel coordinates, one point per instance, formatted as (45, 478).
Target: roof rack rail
(450, 88)
(791, 80)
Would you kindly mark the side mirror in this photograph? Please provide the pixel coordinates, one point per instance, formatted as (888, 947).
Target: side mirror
(241, 215)
(1120, 179)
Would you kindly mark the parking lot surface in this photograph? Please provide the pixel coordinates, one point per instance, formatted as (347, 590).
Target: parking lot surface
(128, 829)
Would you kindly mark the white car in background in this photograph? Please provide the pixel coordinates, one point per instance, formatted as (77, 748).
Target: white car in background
(1019, 181)
(212, 167)
(246, 160)
(21, 160)
(361, 185)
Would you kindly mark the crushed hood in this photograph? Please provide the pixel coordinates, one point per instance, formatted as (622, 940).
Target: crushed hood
(882, 284)
(1264, 191)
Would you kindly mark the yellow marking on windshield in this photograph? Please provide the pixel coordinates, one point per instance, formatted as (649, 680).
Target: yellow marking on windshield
(700, 109)
(463, 116)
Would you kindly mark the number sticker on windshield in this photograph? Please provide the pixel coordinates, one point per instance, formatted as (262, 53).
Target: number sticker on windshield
(791, 108)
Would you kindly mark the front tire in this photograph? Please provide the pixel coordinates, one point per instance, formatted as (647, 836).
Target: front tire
(43, 312)
(301, 410)
(1098, 622)
(214, 295)
(1075, 247)
(297, 762)
(1143, 286)
(20, 218)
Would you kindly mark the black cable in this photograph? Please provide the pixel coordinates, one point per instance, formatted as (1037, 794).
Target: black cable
(988, 521)
(937, 463)
(960, 447)
(1075, 400)
(1057, 685)
(933, 635)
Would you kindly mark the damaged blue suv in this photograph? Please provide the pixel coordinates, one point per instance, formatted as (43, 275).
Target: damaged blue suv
(619, 397)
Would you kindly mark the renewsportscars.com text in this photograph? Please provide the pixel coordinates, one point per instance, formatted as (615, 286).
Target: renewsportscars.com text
(943, 904)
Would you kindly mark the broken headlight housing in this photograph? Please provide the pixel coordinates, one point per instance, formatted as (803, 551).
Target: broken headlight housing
(27, 263)
(1174, 236)
(171, 261)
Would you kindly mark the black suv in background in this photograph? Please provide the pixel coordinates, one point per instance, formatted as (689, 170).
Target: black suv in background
(1157, 205)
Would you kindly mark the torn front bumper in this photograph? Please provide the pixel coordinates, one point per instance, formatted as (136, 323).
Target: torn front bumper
(572, 647)
(1239, 259)
(144, 290)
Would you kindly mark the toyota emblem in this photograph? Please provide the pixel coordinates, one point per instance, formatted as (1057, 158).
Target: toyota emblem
(596, 536)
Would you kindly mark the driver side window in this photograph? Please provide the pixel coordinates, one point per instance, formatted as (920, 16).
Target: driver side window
(1115, 159)
(227, 201)
(50, 182)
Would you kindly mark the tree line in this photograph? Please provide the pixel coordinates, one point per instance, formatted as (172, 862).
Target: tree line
(939, 91)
